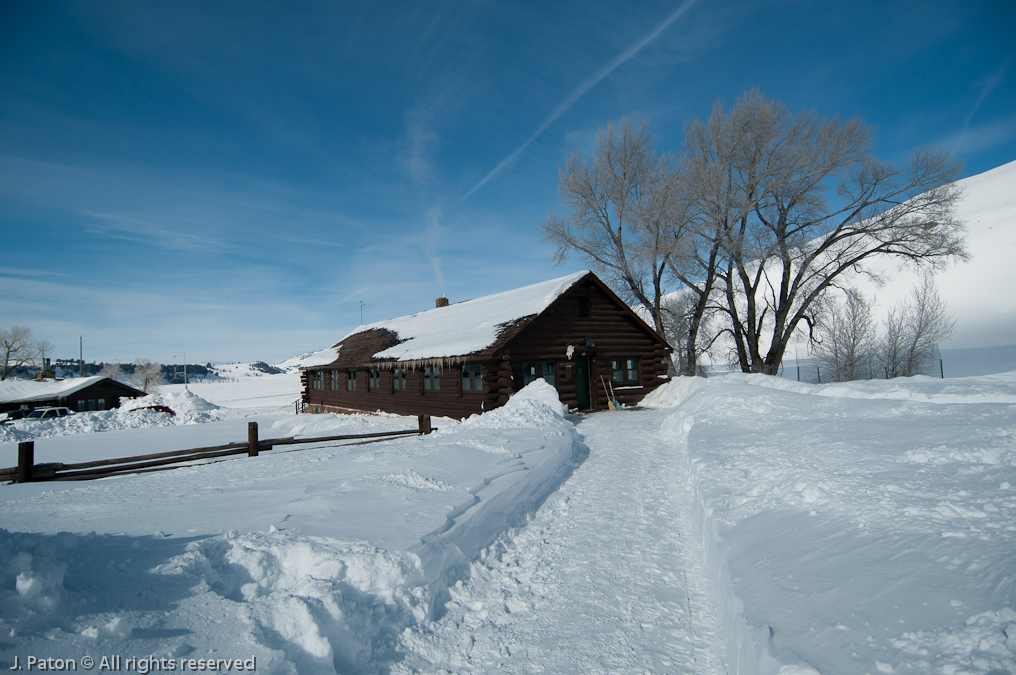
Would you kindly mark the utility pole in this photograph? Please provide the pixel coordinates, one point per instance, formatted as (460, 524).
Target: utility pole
(184, 370)
(81, 356)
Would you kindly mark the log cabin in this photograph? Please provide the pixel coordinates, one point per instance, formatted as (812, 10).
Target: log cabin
(459, 359)
(80, 394)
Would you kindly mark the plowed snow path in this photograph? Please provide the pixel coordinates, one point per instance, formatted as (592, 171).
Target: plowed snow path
(607, 578)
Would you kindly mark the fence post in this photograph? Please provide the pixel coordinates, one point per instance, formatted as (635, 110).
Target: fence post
(424, 424)
(26, 458)
(941, 369)
(252, 439)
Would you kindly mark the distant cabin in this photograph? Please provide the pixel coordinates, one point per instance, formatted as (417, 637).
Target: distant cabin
(80, 394)
(463, 358)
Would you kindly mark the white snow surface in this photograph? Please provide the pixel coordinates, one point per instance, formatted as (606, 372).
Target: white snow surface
(311, 560)
(469, 326)
(33, 390)
(740, 524)
(984, 318)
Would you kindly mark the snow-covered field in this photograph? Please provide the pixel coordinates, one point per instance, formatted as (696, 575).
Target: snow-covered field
(739, 524)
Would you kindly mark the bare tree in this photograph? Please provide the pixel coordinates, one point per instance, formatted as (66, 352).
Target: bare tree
(847, 346)
(913, 330)
(113, 371)
(713, 203)
(807, 203)
(147, 376)
(622, 206)
(19, 348)
(683, 323)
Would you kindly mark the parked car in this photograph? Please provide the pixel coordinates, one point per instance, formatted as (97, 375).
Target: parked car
(11, 415)
(48, 413)
(157, 408)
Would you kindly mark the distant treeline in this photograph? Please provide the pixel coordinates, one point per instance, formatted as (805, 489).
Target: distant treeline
(170, 372)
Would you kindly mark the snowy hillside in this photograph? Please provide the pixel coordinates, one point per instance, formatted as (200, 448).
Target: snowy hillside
(320, 357)
(977, 292)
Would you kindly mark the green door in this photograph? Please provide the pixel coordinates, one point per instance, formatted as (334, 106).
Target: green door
(582, 382)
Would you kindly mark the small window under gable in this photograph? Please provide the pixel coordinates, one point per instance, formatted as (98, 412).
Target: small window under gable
(583, 301)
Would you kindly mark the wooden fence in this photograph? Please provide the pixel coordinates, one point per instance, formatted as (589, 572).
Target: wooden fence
(28, 471)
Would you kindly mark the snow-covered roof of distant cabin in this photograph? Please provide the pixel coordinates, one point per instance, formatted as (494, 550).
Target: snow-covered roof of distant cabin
(465, 327)
(33, 390)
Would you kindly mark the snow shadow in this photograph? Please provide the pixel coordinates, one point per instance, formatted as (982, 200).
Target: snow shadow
(90, 586)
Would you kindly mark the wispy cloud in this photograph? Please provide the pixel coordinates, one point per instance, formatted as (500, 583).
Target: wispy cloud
(585, 86)
(143, 230)
(420, 140)
(15, 272)
(989, 85)
(978, 138)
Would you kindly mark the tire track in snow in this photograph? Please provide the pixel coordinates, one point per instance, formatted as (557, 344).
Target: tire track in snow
(608, 577)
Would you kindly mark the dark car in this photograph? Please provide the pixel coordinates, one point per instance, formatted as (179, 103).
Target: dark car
(157, 408)
(11, 415)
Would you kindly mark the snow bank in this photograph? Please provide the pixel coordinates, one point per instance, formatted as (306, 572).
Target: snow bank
(132, 414)
(547, 452)
(850, 531)
(536, 405)
(329, 606)
(312, 560)
(672, 393)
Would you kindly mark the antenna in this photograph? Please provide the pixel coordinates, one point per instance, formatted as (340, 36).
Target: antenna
(361, 312)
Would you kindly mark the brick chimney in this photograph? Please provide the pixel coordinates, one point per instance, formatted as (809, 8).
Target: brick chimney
(441, 302)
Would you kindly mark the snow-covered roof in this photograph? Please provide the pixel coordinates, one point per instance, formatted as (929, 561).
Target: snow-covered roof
(464, 327)
(32, 390)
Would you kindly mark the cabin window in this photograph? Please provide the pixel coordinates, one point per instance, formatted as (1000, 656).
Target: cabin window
(319, 380)
(350, 380)
(624, 370)
(549, 373)
(472, 380)
(333, 380)
(631, 369)
(534, 370)
(82, 405)
(372, 379)
(101, 405)
(431, 378)
(399, 379)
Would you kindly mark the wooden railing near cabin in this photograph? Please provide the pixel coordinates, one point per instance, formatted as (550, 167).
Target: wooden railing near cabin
(28, 471)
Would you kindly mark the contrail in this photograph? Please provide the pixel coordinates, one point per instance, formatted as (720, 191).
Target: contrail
(586, 85)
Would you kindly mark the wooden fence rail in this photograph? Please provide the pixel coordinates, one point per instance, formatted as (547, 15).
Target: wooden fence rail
(28, 471)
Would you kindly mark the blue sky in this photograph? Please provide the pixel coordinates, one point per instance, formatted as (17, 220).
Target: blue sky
(233, 179)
